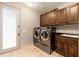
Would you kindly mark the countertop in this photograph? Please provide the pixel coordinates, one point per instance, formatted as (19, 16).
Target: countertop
(68, 35)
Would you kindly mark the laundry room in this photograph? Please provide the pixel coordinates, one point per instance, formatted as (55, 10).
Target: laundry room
(39, 29)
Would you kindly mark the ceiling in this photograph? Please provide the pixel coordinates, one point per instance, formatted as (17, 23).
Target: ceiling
(41, 7)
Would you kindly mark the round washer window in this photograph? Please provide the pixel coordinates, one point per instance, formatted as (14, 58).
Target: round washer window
(44, 34)
(36, 33)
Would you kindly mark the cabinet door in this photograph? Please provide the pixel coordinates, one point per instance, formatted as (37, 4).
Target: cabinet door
(42, 20)
(73, 14)
(72, 51)
(62, 16)
(73, 48)
(53, 16)
(61, 48)
(47, 19)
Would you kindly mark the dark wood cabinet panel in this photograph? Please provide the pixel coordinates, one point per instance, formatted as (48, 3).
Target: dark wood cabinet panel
(62, 16)
(72, 51)
(67, 15)
(58, 38)
(73, 42)
(73, 47)
(66, 46)
(42, 20)
(53, 16)
(45, 19)
(73, 14)
(61, 47)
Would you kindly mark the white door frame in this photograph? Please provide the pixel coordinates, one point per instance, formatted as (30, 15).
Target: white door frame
(3, 5)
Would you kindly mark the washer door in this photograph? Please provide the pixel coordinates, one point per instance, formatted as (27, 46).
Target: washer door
(36, 34)
(44, 35)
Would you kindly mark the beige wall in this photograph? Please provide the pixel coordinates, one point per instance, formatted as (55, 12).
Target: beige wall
(29, 20)
(73, 29)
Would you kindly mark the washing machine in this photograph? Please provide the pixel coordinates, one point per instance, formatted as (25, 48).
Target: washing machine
(47, 40)
(36, 36)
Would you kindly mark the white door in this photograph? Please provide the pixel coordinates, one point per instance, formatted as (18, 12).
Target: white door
(10, 28)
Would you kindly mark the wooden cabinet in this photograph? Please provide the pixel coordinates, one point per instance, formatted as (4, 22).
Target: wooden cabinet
(62, 16)
(42, 20)
(73, 48)
(67, 46)
(45, 19)
(68, 15)
(72, 51)
(53, 16)
(49, 18)
(73, 14)
(61, 47)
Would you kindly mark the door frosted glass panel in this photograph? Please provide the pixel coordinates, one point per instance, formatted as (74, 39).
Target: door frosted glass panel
(9, 28)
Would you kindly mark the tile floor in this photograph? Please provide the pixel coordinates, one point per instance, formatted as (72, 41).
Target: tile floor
(29, 51)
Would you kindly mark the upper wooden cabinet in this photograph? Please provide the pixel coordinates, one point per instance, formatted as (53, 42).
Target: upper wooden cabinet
(73, 14)
(45, 19)
(67, 15)
(49, 18)
(53, 16)
(62, 16)
(42, 19)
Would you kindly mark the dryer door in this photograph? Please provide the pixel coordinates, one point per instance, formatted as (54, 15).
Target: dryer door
(44, 35)
(36, 34)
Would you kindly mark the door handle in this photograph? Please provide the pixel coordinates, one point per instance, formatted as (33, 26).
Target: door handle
(18, 26)
(18, 34)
